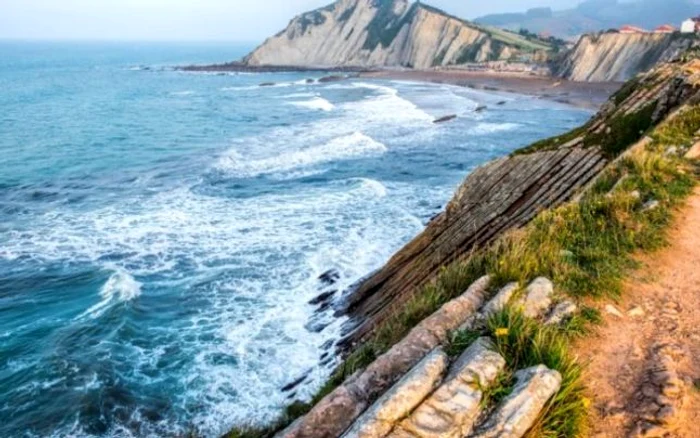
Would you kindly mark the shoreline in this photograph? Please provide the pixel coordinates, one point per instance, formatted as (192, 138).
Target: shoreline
(587, 95)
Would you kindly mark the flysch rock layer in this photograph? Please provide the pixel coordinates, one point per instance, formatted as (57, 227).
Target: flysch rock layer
(339, 409)
(402, 398)
(519, 411)
(508, 193)
(376, 33)
(451, 411)
(619, 57)
(538, 297)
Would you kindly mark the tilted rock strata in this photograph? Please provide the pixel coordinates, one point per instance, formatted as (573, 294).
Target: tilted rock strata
(385, 33)
(452, 410)
(519, 411)
(339, 409)
(402, 398)
(509, 192)
(538, 297)
(496, 197)
(399, 384)
(619, 57)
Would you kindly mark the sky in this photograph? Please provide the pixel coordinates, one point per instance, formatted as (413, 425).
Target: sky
(190, 20)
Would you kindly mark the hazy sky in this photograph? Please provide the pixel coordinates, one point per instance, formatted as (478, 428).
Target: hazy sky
(236, 20)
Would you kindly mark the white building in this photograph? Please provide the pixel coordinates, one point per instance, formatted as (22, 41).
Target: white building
(690, 25)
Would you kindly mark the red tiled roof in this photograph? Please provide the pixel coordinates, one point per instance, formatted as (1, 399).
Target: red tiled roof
(629, 28)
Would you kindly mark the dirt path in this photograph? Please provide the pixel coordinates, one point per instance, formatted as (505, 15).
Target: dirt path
(644, 363)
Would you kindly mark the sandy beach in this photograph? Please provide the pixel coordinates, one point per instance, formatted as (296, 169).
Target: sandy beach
(590, 95)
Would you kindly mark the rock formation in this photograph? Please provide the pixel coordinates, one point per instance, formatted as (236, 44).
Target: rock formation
(377, 33)
(619, 57)
(412, 390)
(509, 192)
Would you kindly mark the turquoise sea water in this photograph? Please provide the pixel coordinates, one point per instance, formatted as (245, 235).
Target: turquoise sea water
(161, 233)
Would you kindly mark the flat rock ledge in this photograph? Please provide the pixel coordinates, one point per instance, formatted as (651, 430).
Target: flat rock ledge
(519, 411)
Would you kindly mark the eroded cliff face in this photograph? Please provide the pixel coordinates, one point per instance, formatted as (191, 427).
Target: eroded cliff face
(384, 33)
(619, 57)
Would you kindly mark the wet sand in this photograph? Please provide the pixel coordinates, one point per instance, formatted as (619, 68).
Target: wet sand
(590, 95)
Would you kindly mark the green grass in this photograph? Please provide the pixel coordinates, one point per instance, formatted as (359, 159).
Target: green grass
(680, 130)
(623, 131)
(528, 343)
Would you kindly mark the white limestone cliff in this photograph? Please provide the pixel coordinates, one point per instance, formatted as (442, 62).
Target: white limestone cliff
(619, 57)
(387, 33)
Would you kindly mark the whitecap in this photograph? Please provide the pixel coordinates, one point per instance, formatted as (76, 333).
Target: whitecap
(241, 88)
(317, 103)
(182, 93)
(347, 147)
(377, 188)
(490, 128)
(119, 288)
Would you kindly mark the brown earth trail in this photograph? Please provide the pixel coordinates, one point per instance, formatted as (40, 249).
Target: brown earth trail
(644, 363)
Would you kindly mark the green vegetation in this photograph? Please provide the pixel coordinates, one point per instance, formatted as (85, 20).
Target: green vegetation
(623, 131)
(554, 142)
(680, 130)
(345, 16)
(586, 248)
(524, 343)
(386, 24)
(626, 91)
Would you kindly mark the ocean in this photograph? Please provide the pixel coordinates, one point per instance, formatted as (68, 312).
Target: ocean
(162, 232)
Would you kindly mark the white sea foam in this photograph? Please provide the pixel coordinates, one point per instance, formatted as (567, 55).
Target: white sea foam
(317, 103)
(486, 128)
(298, 95)
(241, 88)
(119, 288)
(352, 146)
(183, 93)
(282, 242)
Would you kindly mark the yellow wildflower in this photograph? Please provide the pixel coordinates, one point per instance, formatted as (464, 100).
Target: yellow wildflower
(502, 332)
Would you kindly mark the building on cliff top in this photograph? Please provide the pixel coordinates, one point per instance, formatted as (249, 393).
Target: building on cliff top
(691, 25)
(666, 28)
(632, 29)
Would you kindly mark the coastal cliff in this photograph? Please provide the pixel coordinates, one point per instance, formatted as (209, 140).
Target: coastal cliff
(619, 57)
(508, 193)
(433, 330)
(389, 33)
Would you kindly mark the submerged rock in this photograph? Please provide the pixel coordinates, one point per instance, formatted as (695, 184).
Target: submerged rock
(445, 118)
(332, 78)
(330, 277)
(292, 385)
(481, 108)
(323, 298)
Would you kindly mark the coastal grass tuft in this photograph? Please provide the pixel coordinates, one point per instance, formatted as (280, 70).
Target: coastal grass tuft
(523, 342)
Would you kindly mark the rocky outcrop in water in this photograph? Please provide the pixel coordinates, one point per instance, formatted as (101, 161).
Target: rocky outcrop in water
(619, 57)
(388, 33)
